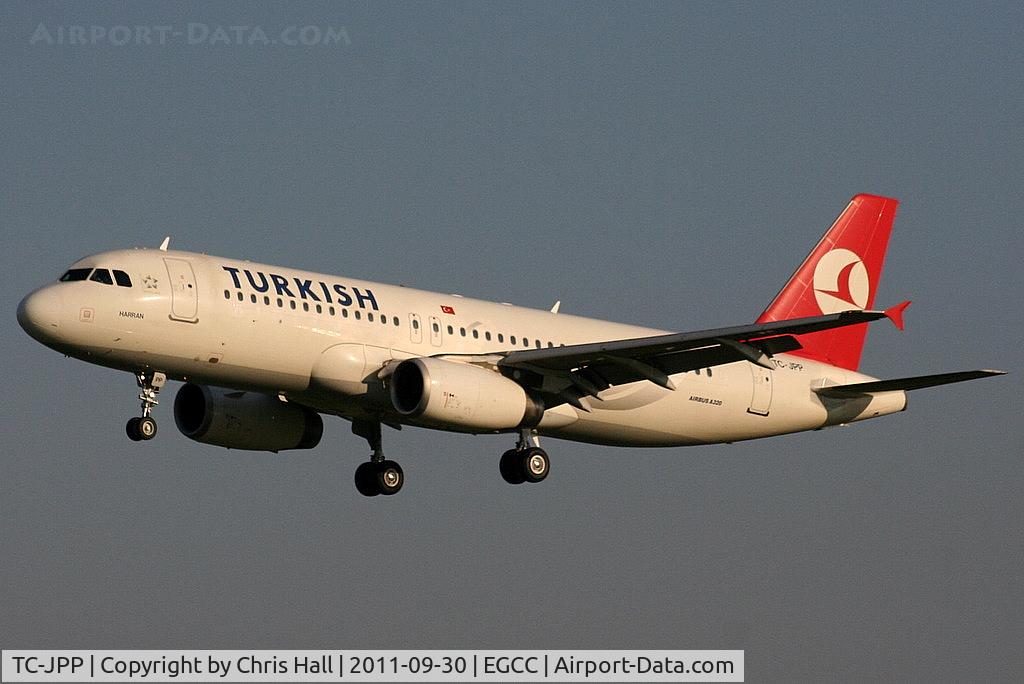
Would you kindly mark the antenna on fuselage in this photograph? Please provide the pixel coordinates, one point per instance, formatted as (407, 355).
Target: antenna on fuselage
(165, 243)
(557, 305)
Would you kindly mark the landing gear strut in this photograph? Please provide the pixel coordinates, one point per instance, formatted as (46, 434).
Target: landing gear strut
(527, 462)
(378, 475)
(143, 428)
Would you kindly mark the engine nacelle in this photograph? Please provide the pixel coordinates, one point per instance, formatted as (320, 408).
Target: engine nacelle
(462, 397)
(244, 420)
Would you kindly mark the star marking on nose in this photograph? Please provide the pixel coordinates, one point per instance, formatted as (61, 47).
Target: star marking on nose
(150, 282)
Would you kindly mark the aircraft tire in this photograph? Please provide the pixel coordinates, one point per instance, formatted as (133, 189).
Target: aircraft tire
(511, 467)
(131, 428)
(146, 428)
(535, 464)
(389, 478)
(366, 479)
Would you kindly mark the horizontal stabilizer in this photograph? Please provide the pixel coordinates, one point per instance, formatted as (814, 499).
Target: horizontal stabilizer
(918, 382)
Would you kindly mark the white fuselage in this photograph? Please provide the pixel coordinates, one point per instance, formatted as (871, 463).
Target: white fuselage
(321, 340)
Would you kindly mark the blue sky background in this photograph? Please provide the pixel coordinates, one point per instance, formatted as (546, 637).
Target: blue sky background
(659, 164)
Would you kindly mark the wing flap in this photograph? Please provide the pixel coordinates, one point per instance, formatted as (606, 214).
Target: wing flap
(568, 373)
(692, 359)
(647, 348)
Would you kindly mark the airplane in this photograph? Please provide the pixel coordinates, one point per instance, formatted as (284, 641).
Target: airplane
(265, 350)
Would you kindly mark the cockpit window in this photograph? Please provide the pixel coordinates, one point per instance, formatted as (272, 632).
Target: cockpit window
(75, 274)
(122, 279)
(102, 275)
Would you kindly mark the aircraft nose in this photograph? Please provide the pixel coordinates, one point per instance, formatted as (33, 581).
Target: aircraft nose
(39, 314)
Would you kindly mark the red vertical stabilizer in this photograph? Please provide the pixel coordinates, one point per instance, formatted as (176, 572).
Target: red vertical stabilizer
(841, 273)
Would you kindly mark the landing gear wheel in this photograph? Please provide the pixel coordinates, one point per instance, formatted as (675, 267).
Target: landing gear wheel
(146, 428)
(143, 428)
(376, 476)
(366, 479)
(535, 464)
(390, 477)
(511, 467)
(131, 428)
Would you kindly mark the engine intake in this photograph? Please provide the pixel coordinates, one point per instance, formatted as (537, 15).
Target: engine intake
(460, 396)
(244, 420)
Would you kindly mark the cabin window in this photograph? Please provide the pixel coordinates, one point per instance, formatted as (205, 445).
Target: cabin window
(415, 324)
(383, 319)
(512, 339)
(395, 319)
(451, 330)
(358, 314)
(280, 303)
(101, 275)
(76, 274)
(550, 344)
(476, 334)
(709, 372)
(437, 328)
(122, 279)
(291, 303)
(319, 309)
(252, 298)
(537, 344)
(344, 313)
(266, 300)
(227, 294)
(462, 331)
(305, 306)
(239, 296)
(330, 310)
(526, 342)
(487, 335)
(369, 317)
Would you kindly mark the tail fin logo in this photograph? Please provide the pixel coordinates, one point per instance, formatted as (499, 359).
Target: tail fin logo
(841, 282)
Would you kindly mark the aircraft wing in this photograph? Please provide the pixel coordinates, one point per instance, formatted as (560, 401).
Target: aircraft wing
(580, 370)
(918, 382)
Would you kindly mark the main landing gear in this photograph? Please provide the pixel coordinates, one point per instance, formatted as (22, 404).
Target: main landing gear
(527, 462)
(143, 428)
(378, 475)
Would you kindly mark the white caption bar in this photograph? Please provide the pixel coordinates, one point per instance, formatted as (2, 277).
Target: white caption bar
(372, 666)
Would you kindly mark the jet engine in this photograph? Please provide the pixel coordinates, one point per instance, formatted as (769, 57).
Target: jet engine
(460, 396)
(244, 420)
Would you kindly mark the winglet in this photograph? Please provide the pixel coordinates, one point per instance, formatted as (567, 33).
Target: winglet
(165, 243)
(895, 313)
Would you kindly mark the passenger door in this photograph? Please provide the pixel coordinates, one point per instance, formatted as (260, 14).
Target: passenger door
(184, 294)
(761, 399)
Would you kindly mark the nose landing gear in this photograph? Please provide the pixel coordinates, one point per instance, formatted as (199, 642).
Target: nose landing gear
(143, 428)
